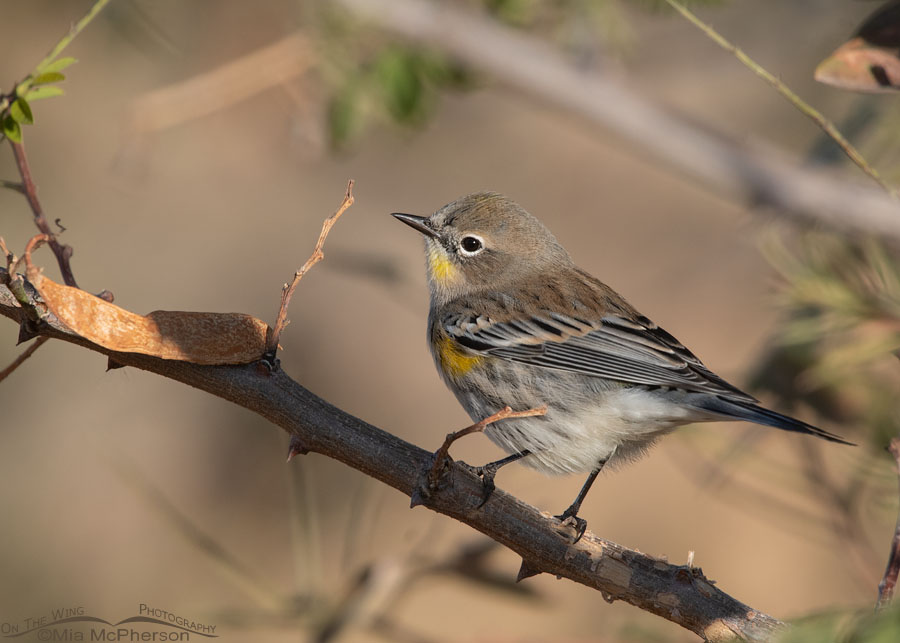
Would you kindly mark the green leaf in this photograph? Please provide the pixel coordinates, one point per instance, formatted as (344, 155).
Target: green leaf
(47, 91)
(20, 111)
(519, 13)
(344, 118)
(398, 74)
(48, 77)
(57, 65)
(12, 130)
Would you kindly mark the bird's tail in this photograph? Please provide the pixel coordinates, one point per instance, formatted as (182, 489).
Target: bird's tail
(750, 412)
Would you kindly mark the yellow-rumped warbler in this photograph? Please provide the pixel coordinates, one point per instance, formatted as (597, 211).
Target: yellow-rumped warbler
(513, 321)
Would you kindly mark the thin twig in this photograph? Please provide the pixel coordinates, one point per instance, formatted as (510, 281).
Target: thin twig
(889, 582)
(28, 352)
(76, 29)
(29, 189)
(12, 185)
(805, 108)
(288, 290)
(442, 454)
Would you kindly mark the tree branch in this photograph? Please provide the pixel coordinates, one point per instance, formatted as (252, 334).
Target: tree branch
(760, 175)
(681, 594)
(29, 189)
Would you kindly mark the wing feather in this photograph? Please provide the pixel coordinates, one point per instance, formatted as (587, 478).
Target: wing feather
(632, 350)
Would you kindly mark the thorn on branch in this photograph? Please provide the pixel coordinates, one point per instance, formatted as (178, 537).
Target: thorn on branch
(526, 570)
(288, 290)
(296, 447)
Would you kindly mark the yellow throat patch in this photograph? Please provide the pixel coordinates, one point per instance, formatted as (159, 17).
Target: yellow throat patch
(455, 362)
(442, 269)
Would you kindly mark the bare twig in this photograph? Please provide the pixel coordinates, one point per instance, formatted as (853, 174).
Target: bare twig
(28, 352)
(759, 174)
(889, 582)
(805, 108)
(681, 595)
(441, 456)
(12, 185)
(288, 290)
(29, 189)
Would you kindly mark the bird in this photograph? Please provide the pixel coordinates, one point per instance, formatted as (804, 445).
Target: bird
(513, 321)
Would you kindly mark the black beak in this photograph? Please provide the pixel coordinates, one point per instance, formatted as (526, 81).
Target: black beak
(416, 223)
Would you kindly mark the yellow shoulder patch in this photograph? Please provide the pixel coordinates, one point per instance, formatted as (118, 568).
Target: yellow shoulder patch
(454, 361)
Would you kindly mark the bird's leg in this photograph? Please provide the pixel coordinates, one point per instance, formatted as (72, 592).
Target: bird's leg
(488, 471)
(442, 457)
(572, 511)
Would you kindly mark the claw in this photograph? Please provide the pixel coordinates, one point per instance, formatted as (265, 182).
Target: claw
(487, 485)
(486, 473)
(580, 525)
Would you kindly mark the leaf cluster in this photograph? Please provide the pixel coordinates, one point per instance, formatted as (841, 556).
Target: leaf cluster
(15, 107)
(396, 83)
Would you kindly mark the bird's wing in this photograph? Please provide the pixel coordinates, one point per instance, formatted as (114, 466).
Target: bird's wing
(633, 350)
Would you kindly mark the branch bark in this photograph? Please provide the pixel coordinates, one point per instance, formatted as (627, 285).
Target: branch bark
(759, 174)
(680, 594)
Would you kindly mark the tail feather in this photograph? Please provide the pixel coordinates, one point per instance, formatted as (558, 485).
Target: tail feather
(752, 413)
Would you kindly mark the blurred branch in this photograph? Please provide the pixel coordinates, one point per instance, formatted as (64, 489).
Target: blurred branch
(889, 582)
(680, 594)
(239, 79)
(759, 174)
(203, 541)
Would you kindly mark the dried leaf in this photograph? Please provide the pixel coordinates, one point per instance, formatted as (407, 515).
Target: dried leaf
(200, 338)
(860, 66)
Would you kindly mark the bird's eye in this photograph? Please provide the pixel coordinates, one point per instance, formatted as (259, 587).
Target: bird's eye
(471, 245)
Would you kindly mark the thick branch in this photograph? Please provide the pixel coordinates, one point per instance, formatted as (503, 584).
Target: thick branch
(680, 594)
(759, 174)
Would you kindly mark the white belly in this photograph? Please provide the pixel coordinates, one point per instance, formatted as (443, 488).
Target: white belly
(616, 425)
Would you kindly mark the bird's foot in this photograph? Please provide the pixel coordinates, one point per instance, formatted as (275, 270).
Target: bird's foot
(579, 524)
(487, 474)
(440, 461)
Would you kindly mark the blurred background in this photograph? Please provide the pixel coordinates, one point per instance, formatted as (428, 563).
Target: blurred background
(192, 166)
